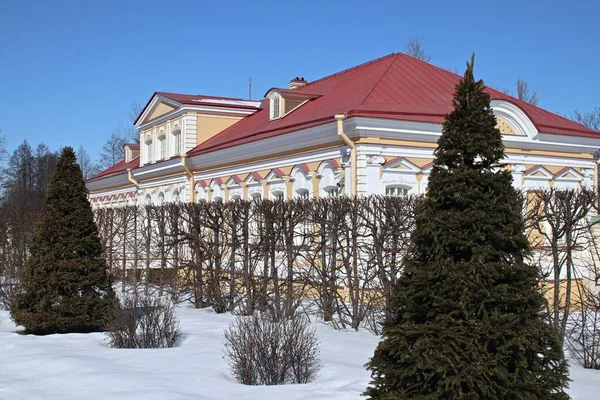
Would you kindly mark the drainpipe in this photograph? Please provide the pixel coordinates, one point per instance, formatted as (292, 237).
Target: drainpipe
(135, 183)
(340, 131)
(190, 177)
(596, 172)
(130, 178)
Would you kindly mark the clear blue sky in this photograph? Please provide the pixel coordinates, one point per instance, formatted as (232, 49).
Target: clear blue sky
(69, 70)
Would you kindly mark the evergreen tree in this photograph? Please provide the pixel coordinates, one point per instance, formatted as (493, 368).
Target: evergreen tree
(65, 285)
(467, 311)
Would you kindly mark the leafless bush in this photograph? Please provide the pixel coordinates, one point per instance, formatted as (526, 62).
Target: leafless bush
(143, 322)
(583, 333)
(262, 350)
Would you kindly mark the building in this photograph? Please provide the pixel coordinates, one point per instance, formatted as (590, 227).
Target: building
(370, 129)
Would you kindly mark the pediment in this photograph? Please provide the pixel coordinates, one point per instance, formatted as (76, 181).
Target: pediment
(161, 108)
(568, 173)
(402, 164)
(538, 171)
(275, 174)
(157, 107)
(254, 178)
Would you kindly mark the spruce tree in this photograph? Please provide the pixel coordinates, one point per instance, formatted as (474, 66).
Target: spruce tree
(467, 311)
(65, 285)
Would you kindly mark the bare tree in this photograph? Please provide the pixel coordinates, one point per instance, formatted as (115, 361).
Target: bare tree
(88, 167)
(414, 48)
(524, 92)
(558, 231)
(113, 151)
(134, 111)
(589, 119)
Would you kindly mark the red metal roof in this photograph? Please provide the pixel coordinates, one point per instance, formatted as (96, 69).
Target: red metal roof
(396, 86)
(117, 169)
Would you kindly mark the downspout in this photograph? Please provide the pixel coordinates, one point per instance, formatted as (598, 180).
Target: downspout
(130, 178)
(135, 183)
(596, 171)
(340, 131)
(190, 177)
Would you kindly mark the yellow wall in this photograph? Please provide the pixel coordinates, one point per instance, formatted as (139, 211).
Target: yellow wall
(505, 127)
(210, 125)
(159, 110)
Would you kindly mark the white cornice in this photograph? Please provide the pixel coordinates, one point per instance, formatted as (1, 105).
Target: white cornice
(324, 134)
(428, 132)
(158, 169)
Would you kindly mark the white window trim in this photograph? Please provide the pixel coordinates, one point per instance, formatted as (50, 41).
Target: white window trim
(401, 190)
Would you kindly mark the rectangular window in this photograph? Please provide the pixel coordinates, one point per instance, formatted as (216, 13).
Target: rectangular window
(177, 139)
(149, 148)
(396, 191)
(276, 107)
(163, 149)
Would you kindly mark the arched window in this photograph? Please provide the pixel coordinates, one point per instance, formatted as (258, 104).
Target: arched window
(329, 184)
(302, 193)
(176, 196)
(278, 195)
(217, 190)
(148, 199)
(302, 185)
(161, 198)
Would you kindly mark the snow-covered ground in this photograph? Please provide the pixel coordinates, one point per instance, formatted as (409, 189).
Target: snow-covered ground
(80, 366)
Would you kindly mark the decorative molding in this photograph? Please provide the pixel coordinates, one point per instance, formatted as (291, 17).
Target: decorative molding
(375, 160)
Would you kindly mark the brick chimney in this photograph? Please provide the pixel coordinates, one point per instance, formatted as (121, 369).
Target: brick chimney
(297, 83)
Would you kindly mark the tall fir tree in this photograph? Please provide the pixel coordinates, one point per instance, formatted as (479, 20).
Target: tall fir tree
(467, 311)
(65, 285)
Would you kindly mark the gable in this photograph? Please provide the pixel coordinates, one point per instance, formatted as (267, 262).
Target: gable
(160, 109)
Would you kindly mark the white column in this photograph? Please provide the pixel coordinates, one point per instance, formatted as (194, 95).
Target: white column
(517, 173)
(373, 174)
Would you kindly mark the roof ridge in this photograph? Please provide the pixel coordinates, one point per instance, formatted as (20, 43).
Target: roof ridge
(380, 78)
(350, 69)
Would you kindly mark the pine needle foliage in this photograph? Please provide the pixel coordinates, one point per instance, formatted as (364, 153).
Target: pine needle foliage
(467, 310)
(65, 285)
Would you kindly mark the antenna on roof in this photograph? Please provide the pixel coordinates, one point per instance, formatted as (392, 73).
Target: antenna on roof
(250, 88)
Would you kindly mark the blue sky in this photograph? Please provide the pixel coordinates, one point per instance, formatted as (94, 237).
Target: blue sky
(69, 70)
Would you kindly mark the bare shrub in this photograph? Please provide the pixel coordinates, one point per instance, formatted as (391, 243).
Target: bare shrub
(143, 322)
(583, 334)
(262, 350)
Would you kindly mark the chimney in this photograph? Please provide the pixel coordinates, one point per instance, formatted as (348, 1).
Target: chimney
(297, 83)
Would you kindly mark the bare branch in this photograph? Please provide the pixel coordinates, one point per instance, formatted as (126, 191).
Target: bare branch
(414, 48)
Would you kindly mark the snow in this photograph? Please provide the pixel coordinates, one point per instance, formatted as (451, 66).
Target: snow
(230, 102)
(80, 366)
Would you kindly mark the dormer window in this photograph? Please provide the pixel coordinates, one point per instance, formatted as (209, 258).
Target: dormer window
(276, 107)
(284, 101)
